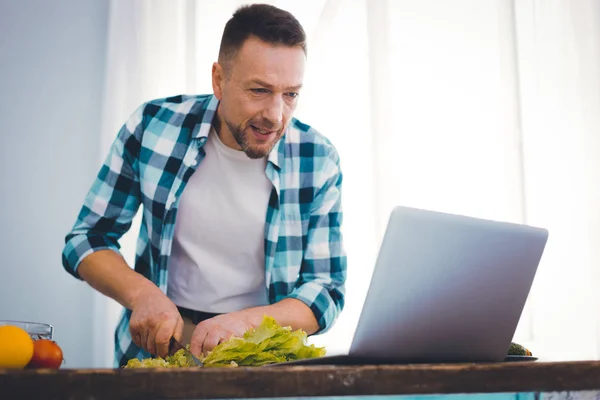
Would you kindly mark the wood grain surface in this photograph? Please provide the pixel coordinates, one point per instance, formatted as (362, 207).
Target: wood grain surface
(299, 381)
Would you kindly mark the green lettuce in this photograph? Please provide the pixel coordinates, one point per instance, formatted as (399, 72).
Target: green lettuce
(177, 360)
(268, 343)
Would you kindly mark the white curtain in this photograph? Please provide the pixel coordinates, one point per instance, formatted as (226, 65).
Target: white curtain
(489, 108)
(559, 69)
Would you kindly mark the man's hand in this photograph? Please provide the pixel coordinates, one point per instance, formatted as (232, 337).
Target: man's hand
(154, 320)
(287, 312)
(209, 333)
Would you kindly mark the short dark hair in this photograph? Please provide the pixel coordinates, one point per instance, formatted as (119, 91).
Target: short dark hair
(268, 23)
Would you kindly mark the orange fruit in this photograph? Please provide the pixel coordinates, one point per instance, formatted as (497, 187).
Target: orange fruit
(16, 347)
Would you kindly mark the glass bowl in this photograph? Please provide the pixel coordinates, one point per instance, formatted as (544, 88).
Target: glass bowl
(36, 330)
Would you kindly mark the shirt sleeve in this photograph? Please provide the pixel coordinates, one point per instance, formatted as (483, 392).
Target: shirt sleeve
(112, 201)
(321, 284)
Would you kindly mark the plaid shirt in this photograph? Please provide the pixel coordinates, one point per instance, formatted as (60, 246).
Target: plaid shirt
(149, 163)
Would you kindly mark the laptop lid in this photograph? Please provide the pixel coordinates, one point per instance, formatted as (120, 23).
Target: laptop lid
(447, 288)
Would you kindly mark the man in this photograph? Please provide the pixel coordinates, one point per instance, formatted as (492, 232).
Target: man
(241, 204)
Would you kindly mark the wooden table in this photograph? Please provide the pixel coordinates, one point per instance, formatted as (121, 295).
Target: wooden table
(299, 381)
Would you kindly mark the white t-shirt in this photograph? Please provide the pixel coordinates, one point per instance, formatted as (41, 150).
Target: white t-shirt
(217, 261)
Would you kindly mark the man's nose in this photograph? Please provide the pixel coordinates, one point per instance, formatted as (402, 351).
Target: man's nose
(274, 110)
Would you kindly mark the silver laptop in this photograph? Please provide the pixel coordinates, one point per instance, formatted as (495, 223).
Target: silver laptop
(445, 288)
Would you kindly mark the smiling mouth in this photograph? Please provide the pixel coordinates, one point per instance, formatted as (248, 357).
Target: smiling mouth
(263, 132)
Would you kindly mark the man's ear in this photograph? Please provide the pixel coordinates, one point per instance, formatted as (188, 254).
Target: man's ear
(218, 77)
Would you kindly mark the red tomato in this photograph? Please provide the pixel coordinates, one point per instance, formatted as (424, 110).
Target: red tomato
(46, 354)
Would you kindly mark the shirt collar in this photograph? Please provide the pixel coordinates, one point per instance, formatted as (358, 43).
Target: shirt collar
(277, 153)
(202, 129)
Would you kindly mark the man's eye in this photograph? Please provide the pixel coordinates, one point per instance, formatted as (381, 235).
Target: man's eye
(259, 91)
(293, 95)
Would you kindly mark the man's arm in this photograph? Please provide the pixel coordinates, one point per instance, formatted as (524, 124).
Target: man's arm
(321, 283)
(107, 272)
(155, 319)
(287, 312)
(112, 201)
(92, 253)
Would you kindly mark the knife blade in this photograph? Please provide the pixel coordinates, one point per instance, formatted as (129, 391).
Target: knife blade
(174, 346)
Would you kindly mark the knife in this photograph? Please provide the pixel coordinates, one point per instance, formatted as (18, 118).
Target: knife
(174, 346)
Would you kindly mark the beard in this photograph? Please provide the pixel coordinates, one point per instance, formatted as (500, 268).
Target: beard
(240, 135)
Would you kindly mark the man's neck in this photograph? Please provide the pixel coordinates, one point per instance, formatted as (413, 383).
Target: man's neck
(223, 132)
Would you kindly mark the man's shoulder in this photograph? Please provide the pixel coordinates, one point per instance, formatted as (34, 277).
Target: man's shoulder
(310, 142)
(183, 104)
(178, 100)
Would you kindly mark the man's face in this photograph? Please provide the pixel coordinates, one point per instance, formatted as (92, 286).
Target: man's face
(258, 95)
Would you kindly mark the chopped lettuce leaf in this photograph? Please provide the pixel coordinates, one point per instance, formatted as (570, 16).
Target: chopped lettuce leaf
(177, 360)
(266, 330)
(268, 343)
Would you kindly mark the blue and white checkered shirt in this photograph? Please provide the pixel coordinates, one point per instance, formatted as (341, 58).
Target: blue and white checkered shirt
(149, 163)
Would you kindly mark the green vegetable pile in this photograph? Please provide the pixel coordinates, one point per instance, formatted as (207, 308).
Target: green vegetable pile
(516, 349)
(177, 360)
(268, 343)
